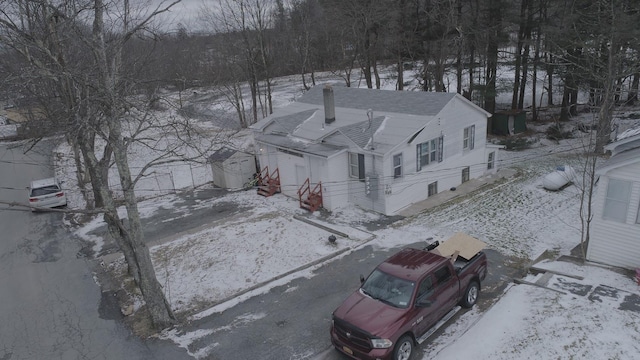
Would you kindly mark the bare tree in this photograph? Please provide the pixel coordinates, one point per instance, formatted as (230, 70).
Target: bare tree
(77, 49)
(361, 24)
(250, 20)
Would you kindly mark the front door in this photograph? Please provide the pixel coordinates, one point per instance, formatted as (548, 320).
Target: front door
(301, 175)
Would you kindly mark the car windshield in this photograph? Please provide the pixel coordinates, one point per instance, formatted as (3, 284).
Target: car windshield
(51, 189)
(388, 289)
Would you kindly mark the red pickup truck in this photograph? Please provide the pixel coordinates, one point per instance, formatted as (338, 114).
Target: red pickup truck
(406, 299)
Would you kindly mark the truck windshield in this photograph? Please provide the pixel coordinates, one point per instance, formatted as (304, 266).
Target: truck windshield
(389, 289)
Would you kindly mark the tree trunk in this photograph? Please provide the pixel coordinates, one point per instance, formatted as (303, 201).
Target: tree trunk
(518, 54)
(564, 110)
(472, 63)
(494, 22)
(400, 82)
(534, 79)
(586, 201)
(490, 77)
(459, 50)
(605, 115)
(632, 97)
(130, 238)
(159, 308)
(366, 72)
(550, 69)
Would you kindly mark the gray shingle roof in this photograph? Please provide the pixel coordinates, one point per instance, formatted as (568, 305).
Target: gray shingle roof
(405, 102)
(318, 149)
(360, 133)
(288, 123)
(397, 116)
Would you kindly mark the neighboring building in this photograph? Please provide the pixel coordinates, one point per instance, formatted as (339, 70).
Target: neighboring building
(380, 150)
(509, 122)
(232, 168)
(615, 230)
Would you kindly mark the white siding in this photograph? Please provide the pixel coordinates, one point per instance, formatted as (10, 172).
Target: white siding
(612, 242)
(413, 186)
(357, 189)
(334, 176)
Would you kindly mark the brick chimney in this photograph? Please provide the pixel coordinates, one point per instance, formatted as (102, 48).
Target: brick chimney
(329, 105)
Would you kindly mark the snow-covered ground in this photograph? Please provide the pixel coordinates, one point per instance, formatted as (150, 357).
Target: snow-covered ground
(516, 217)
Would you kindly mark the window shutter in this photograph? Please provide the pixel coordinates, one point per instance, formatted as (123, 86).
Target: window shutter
(418, 153)
(361, 166)
(440, 148)
(472, 137)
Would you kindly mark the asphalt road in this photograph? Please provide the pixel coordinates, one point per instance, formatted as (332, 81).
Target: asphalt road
(49, 301)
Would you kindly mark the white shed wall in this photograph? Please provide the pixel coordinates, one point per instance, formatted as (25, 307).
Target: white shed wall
(612, 242)
(234, 172)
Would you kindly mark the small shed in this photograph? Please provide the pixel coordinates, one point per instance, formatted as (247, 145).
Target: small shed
(508, 122)
(232, 168)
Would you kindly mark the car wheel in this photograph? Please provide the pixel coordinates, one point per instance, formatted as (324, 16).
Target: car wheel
(471, 295)
(404, 348)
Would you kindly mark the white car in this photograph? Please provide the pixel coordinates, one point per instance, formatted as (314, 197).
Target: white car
(46, 193)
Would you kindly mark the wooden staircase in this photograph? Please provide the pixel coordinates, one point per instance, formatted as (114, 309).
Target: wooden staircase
(310, 199)
(268, 183)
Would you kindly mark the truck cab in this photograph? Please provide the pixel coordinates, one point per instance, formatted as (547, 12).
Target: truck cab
(399, 303)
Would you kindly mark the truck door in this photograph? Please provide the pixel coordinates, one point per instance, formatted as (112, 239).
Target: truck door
(426, 309)
(446, 290)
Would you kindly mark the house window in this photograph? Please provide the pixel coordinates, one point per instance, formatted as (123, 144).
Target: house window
(433, 188)
(465, 174)
(616, 201)
(397, 166)
(491, 160)
(429, 152)
(468, 137)
(356, 166)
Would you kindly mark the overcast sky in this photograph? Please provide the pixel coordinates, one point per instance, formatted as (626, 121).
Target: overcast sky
(185, 12)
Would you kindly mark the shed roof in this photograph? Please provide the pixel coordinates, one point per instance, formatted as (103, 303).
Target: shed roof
(221, 154)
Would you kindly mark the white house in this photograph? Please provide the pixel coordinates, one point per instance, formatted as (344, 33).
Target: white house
(615, 229)
(380, 150)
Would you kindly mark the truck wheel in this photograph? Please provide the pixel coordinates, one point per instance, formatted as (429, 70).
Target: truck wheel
(404, 348)
(470, 295)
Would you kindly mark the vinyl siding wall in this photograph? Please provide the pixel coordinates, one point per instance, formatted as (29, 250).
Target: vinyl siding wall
(612, 242)
(413, 186)
(332, 173)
